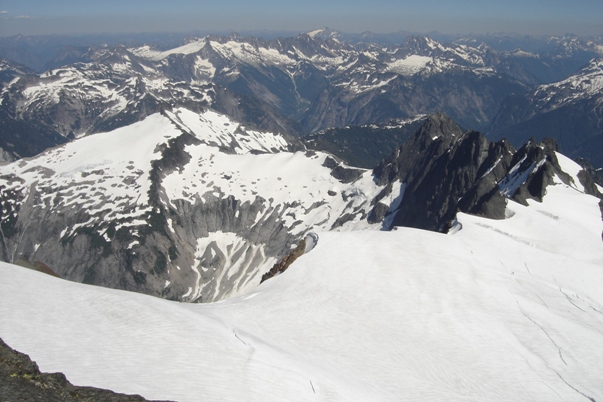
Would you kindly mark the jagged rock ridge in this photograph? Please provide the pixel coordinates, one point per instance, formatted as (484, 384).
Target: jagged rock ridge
(442, 170)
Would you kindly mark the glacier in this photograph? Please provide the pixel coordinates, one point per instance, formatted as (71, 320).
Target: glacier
(495, 310)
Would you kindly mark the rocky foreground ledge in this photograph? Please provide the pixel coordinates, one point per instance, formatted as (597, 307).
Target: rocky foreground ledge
(21, 380)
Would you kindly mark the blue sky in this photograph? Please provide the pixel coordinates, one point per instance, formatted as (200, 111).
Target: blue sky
(33, 17)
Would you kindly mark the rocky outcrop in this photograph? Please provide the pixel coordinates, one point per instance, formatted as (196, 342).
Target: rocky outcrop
(536, 167)
(36, 266)
(341, 173)
(305, 245)
(591, 178)
(442, 170)
(21, 380)
(594, 176)
(284, 263)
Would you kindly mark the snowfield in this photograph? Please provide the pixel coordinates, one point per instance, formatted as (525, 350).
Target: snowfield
(508, 310)
(410, 65)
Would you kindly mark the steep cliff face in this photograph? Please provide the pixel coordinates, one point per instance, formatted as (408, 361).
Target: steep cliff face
(187, 206)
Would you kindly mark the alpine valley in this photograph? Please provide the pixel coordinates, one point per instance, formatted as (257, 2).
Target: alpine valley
(311, 217)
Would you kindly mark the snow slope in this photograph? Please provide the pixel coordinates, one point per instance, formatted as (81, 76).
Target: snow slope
(496, 310)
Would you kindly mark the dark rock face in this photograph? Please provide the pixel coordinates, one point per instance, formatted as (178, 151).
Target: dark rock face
(422, 146)
(595, 174)
(539, 164)
(344, 175)
(21, 380)
(443, 170)
(589, 177)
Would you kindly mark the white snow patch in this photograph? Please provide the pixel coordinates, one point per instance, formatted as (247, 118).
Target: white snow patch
(570, 167)
(189, 48)
(312, 34)
(190, 291)
(409, 66)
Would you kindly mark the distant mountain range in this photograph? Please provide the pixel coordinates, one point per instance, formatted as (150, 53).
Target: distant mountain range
(570, 110)
(298, 85)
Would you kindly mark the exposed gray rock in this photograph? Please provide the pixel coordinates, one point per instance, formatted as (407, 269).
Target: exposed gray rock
(88, 255)
(589, 177)
(536, 165)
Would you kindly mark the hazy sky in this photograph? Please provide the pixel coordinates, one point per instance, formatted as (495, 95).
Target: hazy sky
(34, 17)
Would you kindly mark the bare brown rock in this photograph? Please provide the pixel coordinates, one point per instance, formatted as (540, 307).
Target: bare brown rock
(283, 264)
